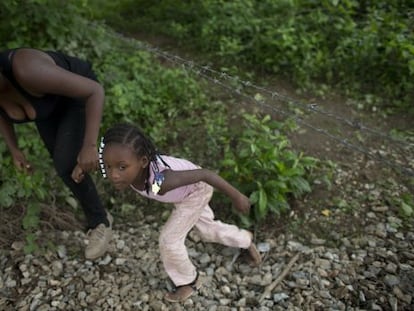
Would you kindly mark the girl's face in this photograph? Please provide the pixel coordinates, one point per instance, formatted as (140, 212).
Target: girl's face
(123, 167)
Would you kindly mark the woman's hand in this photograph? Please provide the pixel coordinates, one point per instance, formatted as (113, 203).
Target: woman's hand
(88, 158)
(87, 162)
(77, 174)
(242, 203)
(20, 162)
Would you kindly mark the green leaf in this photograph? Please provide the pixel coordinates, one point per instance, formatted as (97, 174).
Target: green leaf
(262, 204)
(71, 201)
(406, 209)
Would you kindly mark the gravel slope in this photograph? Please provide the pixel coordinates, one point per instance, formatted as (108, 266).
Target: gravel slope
(374, 271)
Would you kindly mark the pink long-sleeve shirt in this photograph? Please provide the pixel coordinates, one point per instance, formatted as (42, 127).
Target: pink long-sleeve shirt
(174, 196)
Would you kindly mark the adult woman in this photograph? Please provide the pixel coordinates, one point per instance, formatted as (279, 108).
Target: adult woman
(62, 96)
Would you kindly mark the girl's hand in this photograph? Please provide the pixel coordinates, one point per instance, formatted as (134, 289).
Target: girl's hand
(242, 203)
(20, 162)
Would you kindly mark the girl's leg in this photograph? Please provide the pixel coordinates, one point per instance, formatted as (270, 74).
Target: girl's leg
(218, 232)
(173, 251)
(230, 235)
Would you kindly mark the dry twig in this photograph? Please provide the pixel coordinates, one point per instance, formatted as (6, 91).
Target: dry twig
(285, 271)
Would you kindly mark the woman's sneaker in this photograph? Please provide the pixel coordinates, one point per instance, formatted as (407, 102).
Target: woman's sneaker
(99, 239)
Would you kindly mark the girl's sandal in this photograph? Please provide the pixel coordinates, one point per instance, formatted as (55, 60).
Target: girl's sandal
(183, 292)
(255, 259)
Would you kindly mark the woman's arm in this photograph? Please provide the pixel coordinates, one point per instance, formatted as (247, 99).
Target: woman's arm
(9, 135)
(37, 73)
(175, 179)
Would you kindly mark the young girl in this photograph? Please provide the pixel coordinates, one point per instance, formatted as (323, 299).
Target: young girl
(130, 160)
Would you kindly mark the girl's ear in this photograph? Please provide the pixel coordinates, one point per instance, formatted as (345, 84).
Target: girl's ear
(144, 161)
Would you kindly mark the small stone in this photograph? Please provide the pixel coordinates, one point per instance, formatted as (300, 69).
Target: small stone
(391, 268)
(263, 247)
(120, 244)
(62, 252)
(105, 261)
(11, 283)
(379, 209)
(17, 245)
(391, 280)
(316, 241)
(323, 263)
(205, 258)
(225, 290)
(279, 297)
(57, 268)
(120, 261)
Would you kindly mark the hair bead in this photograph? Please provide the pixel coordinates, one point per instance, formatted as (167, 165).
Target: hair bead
(101, 162)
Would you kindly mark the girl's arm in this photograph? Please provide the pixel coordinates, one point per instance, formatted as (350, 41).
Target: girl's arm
(37, 73)
(175, 179)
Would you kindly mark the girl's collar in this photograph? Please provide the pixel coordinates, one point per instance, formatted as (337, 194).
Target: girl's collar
(158, 176)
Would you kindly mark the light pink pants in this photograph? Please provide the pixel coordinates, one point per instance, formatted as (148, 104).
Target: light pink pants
(194, 212)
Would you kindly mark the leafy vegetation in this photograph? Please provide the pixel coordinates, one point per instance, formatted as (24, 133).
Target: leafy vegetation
(364, 49)
(259, 162)
(183, 115)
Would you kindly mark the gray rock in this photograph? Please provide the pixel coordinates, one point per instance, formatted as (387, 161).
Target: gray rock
(374, 269)
(391, 280)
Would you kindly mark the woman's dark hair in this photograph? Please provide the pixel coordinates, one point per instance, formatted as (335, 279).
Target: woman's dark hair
(131, 135)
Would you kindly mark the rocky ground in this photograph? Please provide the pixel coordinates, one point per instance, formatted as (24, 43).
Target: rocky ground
(349, 246)
(367, 266)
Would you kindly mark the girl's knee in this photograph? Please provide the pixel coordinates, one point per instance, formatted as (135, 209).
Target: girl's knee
(166, 241)
(206, 234)
(169, 243)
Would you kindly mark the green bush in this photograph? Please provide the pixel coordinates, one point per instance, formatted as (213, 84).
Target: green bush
(362, 48)
(258, 161)
(180, 113)
(165, 102)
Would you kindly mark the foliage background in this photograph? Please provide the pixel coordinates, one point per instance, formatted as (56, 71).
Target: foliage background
(363, 48)
(176, 109)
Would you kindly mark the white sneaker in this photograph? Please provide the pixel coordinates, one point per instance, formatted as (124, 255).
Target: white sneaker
(99, 238)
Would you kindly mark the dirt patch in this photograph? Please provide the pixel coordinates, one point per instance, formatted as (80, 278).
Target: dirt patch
(331, 127)
(51, 218)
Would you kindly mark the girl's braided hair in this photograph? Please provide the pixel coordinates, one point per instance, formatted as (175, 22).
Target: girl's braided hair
(129, 135)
